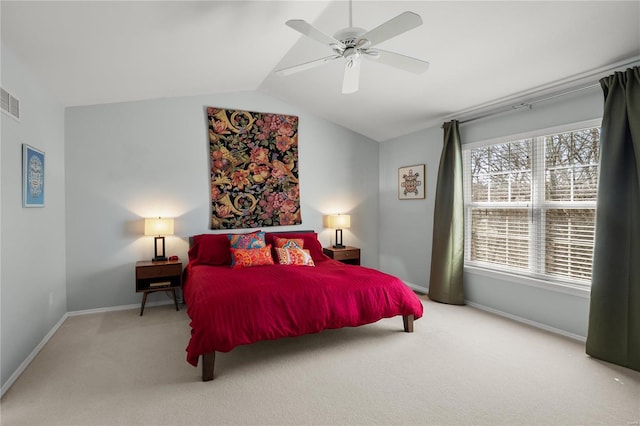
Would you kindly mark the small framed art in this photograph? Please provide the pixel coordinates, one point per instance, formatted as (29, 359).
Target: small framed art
(32, 177)
(411, 182)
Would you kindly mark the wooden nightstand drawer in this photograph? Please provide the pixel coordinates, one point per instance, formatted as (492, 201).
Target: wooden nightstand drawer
(155, 271)
(348, 254)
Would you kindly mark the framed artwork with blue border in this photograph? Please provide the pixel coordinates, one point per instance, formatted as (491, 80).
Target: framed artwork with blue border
(32, 177)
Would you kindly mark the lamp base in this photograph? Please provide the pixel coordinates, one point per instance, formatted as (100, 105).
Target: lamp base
(158, 249)
(338, 243)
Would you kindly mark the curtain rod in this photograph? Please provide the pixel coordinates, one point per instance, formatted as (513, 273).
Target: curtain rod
(586, 78)
(529, 104)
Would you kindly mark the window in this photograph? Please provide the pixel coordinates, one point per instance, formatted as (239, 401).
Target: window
(530, 204)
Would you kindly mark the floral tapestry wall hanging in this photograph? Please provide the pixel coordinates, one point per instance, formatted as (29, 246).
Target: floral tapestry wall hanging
(253, 159)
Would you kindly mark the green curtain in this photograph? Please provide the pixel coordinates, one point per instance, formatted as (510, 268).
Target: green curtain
(614, 316)
(447, 251)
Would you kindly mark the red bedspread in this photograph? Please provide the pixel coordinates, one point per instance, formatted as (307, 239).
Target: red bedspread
(230, 307)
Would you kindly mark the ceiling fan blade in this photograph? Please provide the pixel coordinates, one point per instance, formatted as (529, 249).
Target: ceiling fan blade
(306, 65)
(407, 63)
(351, 76)
(394, 26)
(307, 29)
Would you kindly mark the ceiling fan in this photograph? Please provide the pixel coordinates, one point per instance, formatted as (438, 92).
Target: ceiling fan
(353, 43)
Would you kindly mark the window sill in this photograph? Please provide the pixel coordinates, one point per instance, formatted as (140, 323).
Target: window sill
(567, 288)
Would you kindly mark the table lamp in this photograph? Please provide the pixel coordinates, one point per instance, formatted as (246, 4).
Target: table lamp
(158, 227)
(339, 222)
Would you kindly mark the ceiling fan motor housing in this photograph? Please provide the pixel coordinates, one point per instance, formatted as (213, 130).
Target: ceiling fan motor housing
(349, 36)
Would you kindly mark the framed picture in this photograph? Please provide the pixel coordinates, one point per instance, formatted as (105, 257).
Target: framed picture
(411, 182)
(32, 177)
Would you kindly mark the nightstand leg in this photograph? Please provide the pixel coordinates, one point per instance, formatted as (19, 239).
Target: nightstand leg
(144, 300)
(175, 299)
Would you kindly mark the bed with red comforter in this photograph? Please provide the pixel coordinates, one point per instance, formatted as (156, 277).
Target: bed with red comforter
(230, 306)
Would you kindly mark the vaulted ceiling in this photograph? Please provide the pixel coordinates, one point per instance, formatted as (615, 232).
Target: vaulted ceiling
(481, 53)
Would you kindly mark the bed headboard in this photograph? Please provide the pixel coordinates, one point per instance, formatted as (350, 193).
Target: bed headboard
(304, 231)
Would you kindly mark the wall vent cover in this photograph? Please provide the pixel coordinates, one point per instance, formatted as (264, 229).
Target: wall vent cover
(10, 104)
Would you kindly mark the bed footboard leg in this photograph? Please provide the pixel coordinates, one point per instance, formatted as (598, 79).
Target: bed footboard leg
(407, 321)
(208, 361)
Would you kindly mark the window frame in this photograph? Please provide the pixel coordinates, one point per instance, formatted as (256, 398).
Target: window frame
(528, 277)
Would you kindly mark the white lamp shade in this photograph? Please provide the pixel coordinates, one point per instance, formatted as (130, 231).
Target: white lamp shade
(158, 226)
(339, 221)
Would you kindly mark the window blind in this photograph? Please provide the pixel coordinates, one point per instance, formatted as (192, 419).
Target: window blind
(530, 204)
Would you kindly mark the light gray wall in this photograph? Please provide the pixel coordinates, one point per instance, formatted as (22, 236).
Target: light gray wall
(32, 278)
(406, 226)
(128, 161)
(567, 311)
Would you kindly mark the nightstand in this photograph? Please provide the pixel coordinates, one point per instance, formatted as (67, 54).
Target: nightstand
(350, 255)
(154, 276)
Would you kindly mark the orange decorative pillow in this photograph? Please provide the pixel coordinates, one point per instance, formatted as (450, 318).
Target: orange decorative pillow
(288, 242)
(244, 258)
(294, 256)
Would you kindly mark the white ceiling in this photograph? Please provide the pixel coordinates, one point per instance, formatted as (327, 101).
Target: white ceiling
(481, 53)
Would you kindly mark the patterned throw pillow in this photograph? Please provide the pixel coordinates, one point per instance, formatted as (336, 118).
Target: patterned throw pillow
(294, 256)
(247, 241)
(310, 242)
(288, 242)
(244, 258)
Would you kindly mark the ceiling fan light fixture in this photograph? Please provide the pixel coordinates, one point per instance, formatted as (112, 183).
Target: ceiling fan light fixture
(351, 54)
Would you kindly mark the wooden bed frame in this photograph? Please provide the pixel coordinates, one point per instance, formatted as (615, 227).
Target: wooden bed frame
(209, 360)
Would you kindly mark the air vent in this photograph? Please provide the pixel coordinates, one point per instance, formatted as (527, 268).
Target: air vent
(10, 104)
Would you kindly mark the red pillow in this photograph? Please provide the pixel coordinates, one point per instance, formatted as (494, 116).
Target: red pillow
(310, 239)
(210, 249)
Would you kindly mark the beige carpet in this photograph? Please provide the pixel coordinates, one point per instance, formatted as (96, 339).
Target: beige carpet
(460, 366)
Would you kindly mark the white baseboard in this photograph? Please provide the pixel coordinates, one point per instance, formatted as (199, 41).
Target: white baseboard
(417, 288)
(118, 308)
(11, 380)
(528, 322)
(23, 366)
